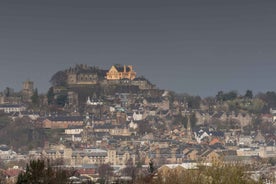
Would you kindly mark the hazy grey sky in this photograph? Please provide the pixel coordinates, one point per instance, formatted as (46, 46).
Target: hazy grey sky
(195, 46)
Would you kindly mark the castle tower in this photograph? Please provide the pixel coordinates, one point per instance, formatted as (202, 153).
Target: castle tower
(28, 90)
(28, 85)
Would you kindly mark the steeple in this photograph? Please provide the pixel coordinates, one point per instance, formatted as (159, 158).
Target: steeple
(189, 129)
(88, 131)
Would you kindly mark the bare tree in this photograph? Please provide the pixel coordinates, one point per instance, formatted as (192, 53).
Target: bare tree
(105, 172)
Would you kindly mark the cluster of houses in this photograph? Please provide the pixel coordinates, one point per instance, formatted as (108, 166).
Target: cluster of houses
(136, 128)
(120, 122)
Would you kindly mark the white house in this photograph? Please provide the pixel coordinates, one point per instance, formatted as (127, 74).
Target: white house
(267, 151)
(137, 116)
(73, 131)
(8, 108)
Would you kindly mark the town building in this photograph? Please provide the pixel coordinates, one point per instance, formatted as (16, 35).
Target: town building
(63, 122)
(117, 72)
(84, 75)
(9, 108)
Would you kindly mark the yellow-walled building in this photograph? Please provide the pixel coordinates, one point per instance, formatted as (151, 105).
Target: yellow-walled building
(117, 72)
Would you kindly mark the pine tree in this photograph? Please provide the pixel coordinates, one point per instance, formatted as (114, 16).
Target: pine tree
(151, 167)
(35, 98)
(41, 172)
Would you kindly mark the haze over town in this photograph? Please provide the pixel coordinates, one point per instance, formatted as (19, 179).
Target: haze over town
(136, 92)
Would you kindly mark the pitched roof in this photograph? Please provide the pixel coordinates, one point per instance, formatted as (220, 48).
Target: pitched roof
(120, 68)
(66, 118)
(206, 153)
(12, 172)
(4, 148)
(214, 141)
(11, 105)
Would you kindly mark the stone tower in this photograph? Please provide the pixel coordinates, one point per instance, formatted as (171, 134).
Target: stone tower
(28, 90)
(188, 136)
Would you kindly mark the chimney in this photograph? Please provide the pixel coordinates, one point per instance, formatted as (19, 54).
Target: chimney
(124, 68)
(130, 67)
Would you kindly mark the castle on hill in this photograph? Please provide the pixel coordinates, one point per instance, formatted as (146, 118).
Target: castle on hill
(83, 75)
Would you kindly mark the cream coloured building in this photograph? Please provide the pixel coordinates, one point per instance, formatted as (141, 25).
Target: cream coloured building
(117, 72)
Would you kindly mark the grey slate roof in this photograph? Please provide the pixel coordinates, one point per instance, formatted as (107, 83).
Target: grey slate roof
(66, 118)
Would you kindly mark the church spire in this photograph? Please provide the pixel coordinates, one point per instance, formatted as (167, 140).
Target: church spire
(189, 128)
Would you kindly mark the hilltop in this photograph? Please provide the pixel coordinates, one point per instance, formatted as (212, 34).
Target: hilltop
(79, 82)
